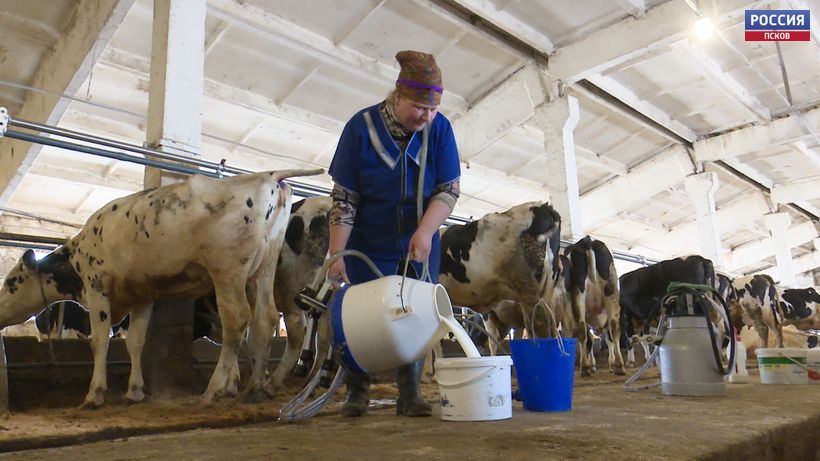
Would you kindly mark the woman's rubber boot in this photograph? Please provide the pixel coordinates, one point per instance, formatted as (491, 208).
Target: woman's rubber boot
(358, 395)
(410, 402)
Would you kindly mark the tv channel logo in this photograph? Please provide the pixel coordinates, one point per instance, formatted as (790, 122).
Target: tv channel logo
(778, 25)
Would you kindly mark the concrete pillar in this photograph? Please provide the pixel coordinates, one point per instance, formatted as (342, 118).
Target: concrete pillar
(701, 188)
(558, 120)
(175, 91)
(174, 126)
(778, 224)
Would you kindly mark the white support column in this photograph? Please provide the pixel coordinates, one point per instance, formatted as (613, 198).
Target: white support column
(558, 120)
(701, 188)
(778, 223)
(176, 85)
(175, 97)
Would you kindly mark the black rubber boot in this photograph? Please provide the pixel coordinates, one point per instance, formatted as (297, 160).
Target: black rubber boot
(410, 402)
(358, 395)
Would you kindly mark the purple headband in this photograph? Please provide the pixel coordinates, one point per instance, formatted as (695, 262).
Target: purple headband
(419, 86)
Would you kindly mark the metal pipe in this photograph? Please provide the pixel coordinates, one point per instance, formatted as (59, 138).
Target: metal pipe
(104, 153)
(33, 246)
(31, 238)
(121, 145)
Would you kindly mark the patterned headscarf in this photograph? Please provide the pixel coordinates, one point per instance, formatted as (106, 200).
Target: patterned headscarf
(419, 78)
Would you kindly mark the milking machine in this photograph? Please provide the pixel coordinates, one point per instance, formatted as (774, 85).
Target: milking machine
(689, 345)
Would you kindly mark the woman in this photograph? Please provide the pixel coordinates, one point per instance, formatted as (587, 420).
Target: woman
(375, 172)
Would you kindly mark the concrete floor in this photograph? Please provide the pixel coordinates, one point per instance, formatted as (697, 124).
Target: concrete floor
(752, 421)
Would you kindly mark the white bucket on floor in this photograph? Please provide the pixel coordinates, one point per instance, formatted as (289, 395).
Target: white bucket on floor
(475, 389)
(813, 361)
(777, 366)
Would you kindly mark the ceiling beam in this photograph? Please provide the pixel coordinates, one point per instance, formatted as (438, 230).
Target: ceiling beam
(627, 96)
(54, 173)
(683, 238)
(810, 154)
(643, 182)
(356, 23)
(710, 69)
(509, 23)
(611, 46)
(753, 138)
(264, 23)
(63, 70)
(752, 253)
(808, 189)
(605, 163)
(129, 62)
(511, 104)
(636, 8)
(806, 263)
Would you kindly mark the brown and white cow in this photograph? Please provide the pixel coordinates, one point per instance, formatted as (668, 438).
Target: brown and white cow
(501, 256)
(754, 301)
(800, 307)
(180, 240)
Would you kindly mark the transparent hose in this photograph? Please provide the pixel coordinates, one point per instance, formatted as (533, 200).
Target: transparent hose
(297, 410)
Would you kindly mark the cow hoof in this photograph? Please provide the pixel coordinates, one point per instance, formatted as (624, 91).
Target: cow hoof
(617, 371)
(586, 372)
(135, 395)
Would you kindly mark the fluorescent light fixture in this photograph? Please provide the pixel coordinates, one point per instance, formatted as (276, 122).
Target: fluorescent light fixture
(704, 28)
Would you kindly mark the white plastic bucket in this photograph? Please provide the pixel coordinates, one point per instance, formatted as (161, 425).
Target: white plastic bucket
(777, 366)
(813, 361)
(475, 389)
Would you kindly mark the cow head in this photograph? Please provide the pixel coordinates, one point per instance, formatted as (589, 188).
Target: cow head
(31, 285)
(812, 295)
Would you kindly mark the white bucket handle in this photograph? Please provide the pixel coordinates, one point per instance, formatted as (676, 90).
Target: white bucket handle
(470, 380)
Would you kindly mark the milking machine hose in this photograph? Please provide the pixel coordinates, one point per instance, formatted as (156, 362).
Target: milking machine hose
(296, 409)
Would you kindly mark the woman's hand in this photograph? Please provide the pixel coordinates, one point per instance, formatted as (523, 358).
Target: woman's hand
(338, 273)
(420, 245)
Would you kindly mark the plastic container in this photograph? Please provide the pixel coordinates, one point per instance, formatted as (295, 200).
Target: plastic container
(739, 374)
(783, 366)
(475, 389)
(380, 326)
(545, 374)
(813, 361)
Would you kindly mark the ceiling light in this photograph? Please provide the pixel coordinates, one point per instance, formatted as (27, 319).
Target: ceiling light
(704, 28)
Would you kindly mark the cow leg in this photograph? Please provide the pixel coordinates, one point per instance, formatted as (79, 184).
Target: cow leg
(100, 314)
(612, 335)
(265, 316)
(630, 356)
(762, 331)
(581, 332)
(295, 324)
(135, 342)
(494, 327)
(235, 314)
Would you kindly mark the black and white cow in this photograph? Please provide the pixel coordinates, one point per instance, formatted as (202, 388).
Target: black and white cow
(643, 289)
(502, 256)
(754, 302)
(177, 241)
(75, 321)
(593, 290)
(800, 307)
(306, 244)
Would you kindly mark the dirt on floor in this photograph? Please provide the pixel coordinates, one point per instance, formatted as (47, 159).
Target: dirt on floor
(751, 421)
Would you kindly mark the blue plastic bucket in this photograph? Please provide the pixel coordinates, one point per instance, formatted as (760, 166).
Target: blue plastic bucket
(545, 375)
